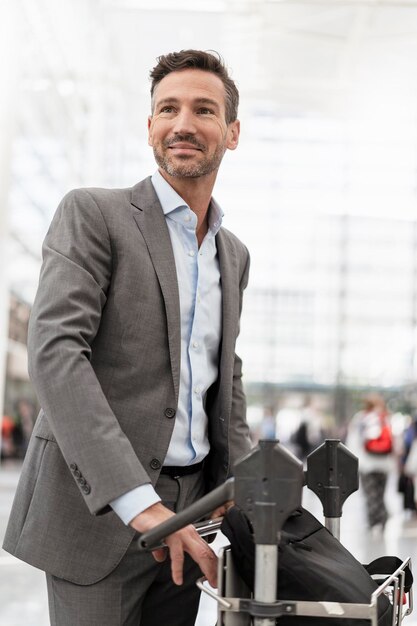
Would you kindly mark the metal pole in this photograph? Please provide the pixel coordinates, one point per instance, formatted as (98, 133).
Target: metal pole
(266, 572)
(333, 524)
(268, 484)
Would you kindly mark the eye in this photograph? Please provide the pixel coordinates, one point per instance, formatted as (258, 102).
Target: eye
(205, 111)
(166, 109)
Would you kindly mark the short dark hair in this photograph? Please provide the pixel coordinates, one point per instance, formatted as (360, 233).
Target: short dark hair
(200, 60)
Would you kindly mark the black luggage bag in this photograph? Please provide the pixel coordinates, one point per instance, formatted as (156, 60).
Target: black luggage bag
(313, 566)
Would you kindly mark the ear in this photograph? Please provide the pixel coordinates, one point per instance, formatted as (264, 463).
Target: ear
(150, 118)
(233, 133)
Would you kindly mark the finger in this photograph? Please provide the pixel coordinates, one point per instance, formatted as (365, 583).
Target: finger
(188, 540)
(204, 556)
(159, 555)
(222, 510)
(219, 512)
(177, 562)
(209, 569)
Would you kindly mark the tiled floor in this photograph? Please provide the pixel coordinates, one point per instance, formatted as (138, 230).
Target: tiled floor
(22, 591)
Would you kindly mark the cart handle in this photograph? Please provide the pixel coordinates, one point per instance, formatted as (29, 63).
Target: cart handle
(208, 503)
(204, 528)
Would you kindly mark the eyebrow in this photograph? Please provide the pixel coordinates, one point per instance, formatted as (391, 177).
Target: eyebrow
(209, 101)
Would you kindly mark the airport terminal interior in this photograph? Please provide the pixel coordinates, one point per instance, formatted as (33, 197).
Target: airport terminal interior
(322, 190)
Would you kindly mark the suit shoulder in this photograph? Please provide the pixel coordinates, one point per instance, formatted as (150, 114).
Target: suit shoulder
(99, 195)
(234, 241)
(106, 201)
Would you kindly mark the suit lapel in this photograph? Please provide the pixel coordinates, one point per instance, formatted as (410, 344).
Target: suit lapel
(152, 224)
(230, 309)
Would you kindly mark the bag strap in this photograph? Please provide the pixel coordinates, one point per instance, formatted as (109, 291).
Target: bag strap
(387, 565)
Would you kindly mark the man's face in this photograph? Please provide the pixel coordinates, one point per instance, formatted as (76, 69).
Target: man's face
(188, 129)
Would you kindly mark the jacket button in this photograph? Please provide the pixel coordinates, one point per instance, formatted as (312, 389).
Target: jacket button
(73, 466)
(86, 489)
(77, 473)
(82, 480)
(155, 464)
(170, 413)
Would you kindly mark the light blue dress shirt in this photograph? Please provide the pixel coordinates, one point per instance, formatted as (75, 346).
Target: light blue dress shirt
(198, 275)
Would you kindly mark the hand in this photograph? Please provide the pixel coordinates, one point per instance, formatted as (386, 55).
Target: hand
(222, 510)
(185, 540)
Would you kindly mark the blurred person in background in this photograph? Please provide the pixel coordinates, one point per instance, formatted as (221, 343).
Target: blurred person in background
(310, 432)
(132, 354)
(267, 429)
(24, 417)
(369, 437)
(8, 448)
(406, 481)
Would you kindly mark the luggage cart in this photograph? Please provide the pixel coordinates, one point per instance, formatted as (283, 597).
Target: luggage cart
(267, 486)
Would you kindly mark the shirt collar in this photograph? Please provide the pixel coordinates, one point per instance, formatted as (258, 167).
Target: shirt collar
(170, 201)
(168, 197)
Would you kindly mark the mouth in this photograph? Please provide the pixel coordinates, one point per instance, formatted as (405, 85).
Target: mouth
(184, 148)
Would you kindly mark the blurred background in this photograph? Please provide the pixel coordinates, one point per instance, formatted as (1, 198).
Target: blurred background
(322, 189)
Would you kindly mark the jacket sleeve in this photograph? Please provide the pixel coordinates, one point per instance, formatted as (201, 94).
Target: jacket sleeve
(75, 278)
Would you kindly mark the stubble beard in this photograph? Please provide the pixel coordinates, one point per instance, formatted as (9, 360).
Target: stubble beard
(182, 168)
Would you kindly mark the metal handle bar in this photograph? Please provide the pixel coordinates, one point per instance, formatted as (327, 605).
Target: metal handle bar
(208, 526)
(152, 538)
(204, 528)
(224, 603)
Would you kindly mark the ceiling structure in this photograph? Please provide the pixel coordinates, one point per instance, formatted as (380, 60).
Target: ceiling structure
(81, 67)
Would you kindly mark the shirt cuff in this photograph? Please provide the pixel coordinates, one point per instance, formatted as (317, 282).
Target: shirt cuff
(135, 501)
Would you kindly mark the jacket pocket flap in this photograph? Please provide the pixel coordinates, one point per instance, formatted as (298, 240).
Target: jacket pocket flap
(42, 429)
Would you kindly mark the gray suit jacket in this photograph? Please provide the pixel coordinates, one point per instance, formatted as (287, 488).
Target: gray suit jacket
(104, 356)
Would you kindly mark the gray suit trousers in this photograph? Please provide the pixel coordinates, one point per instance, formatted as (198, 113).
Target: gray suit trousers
(140, 591)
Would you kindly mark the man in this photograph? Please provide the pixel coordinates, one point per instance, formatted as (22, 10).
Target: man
(131, 348)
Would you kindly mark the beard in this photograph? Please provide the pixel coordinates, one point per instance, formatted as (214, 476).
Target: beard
(181, 167)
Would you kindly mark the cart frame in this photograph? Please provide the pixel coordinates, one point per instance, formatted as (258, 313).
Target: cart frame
(267, 486)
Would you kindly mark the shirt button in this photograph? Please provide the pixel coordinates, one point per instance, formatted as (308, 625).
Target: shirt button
(187, 218)
(155, 464)
(191, 253)
(195, 344)
(197, 389)
(170, 413)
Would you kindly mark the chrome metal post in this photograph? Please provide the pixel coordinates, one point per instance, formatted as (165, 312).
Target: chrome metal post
(266, 572)
(333, 524)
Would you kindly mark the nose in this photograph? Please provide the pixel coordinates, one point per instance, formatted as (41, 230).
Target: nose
(184, 122)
